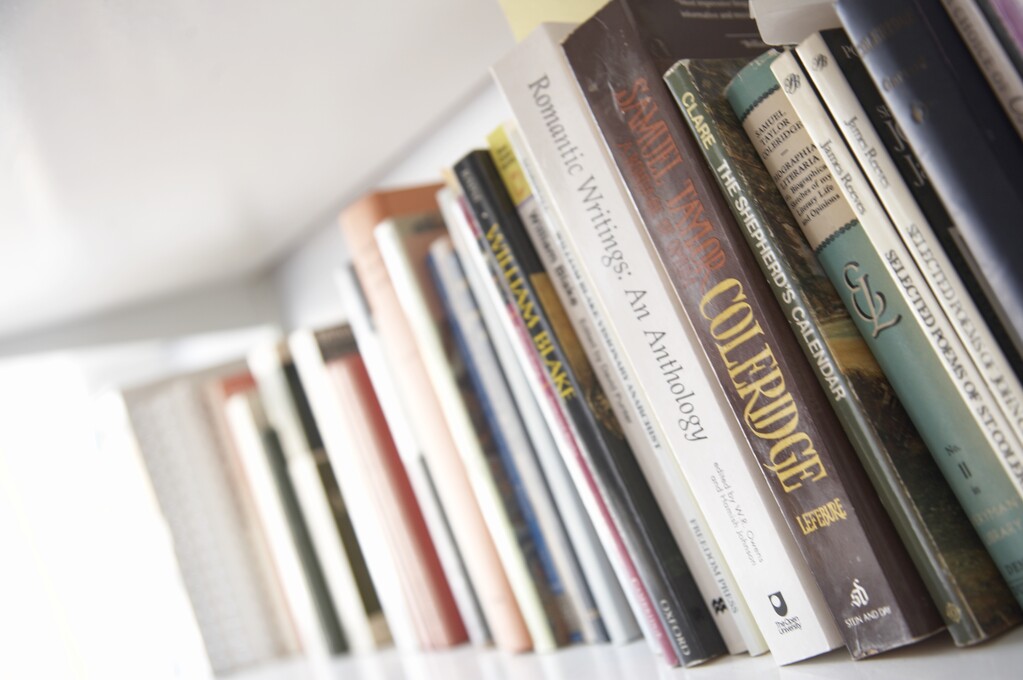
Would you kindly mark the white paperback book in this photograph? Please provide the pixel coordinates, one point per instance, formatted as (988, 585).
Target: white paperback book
(707, 442)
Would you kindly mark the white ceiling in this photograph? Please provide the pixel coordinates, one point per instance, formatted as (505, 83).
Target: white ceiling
(148, 147)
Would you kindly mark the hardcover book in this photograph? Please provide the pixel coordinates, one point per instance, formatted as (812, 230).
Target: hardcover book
(960, 576)
(809, 464)
(690, 633)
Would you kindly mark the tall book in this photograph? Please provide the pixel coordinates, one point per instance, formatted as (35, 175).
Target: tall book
(413, 468)
(404, 246)
(690, 636)
(609, 605)
(422, 406)
(825, 495)
(893, 308)
(960, 576)
(585, 290)
(959, 131)
(684, 395)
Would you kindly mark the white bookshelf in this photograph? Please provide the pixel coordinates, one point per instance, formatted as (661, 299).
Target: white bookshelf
(934, 659)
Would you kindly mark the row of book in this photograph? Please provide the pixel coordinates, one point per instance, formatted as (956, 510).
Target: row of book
(711, 344)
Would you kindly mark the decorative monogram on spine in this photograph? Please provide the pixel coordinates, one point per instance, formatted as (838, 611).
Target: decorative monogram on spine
(869, 304)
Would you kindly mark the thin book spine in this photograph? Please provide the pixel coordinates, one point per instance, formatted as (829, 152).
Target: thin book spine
(940, 539)
(691, 632)
(411, 454)
(600, 593)
(515, 461)
(934, 265)
(811, 468)
(901, 346)
(581, 292)
(402, 247)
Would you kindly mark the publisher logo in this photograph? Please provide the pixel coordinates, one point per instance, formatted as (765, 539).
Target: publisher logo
(858, 597)
(718, 603)
(791, 83)
(819, 63)
(778, 602)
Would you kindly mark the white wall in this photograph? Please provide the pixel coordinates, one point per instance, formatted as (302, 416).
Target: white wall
(304, 278)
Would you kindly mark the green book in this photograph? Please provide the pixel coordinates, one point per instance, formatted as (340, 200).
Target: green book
(975, 602)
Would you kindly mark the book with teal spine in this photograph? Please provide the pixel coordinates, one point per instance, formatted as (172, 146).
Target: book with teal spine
(884, 318)
(958, 572)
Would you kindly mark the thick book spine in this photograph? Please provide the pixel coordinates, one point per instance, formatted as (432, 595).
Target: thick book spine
(877, 305)
(955, 124)
(404, 247)
(993, 60)
(692, 635)
(580, 297)
(935, 267)
(810, 465)
(413, 477)
(600, 594)
(512, 459)
(893, 141)
(930, 521)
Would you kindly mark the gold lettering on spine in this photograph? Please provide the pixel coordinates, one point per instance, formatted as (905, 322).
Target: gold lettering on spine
(527, 311)
(769, 410)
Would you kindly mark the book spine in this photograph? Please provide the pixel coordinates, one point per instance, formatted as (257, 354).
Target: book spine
(936, 268)
(872, 221)
(901, 345)
(418, 474)
(515, 459)
(558, 253)
(1006, 18)
(599, 594)
(294, 561)
(960, 133)
(810, 466)
(692, 635)
(991, 57)
(473, 439)
(926, 513)
(893, 142)
(585, 295)
(717, 463)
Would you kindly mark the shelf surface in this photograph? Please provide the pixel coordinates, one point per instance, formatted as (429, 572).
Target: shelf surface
(934, 659)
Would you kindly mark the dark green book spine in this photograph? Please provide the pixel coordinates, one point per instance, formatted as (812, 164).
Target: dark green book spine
(691, 632)
(957, 570)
